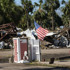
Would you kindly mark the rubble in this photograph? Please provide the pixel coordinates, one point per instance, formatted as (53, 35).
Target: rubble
(60, 38)
(7, 32)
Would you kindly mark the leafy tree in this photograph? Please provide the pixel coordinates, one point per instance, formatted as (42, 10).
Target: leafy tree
(50, 6)
(66, 13)
(23, 21)
(28, 8)
(9, 12)
(58, 20)
(40, 15)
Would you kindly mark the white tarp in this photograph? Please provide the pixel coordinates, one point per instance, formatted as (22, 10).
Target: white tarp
(1, 44)
(50, 34)
(18, 28)
(29, 34)
(20, 33)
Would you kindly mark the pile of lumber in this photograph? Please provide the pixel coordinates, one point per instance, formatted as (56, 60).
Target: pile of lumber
(7, 31)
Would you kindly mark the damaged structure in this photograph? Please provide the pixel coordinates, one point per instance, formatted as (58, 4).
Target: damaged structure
(60, 38)
(26, 49)
(7, 32)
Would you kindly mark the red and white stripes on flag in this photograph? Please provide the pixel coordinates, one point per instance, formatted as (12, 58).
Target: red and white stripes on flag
(41, 33)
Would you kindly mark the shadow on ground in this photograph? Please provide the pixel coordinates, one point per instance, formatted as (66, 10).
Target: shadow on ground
(57, 68)
(1, 67)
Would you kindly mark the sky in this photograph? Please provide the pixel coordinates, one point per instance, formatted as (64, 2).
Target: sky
(18, 2)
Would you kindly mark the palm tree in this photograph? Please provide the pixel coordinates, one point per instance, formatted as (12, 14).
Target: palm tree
(66, 12)
(50, 6)
(40, 15)
(28, 7)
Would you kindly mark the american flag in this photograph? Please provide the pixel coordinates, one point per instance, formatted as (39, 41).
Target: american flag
(41, 32)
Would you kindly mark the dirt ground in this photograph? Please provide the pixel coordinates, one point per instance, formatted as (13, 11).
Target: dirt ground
(6, 53)
(8, 66)
(56, 51)
(66, 51)
(15, 66)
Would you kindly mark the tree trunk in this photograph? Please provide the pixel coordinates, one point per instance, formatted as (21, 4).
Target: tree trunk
(27, 22)
(69, 23)
(52, 23)
(41, 23)
(52, 17)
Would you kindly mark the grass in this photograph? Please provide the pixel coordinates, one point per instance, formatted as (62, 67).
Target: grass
(48, 65)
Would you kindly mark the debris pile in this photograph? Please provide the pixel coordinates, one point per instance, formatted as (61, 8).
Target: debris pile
(60, 39)
(7, 32)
